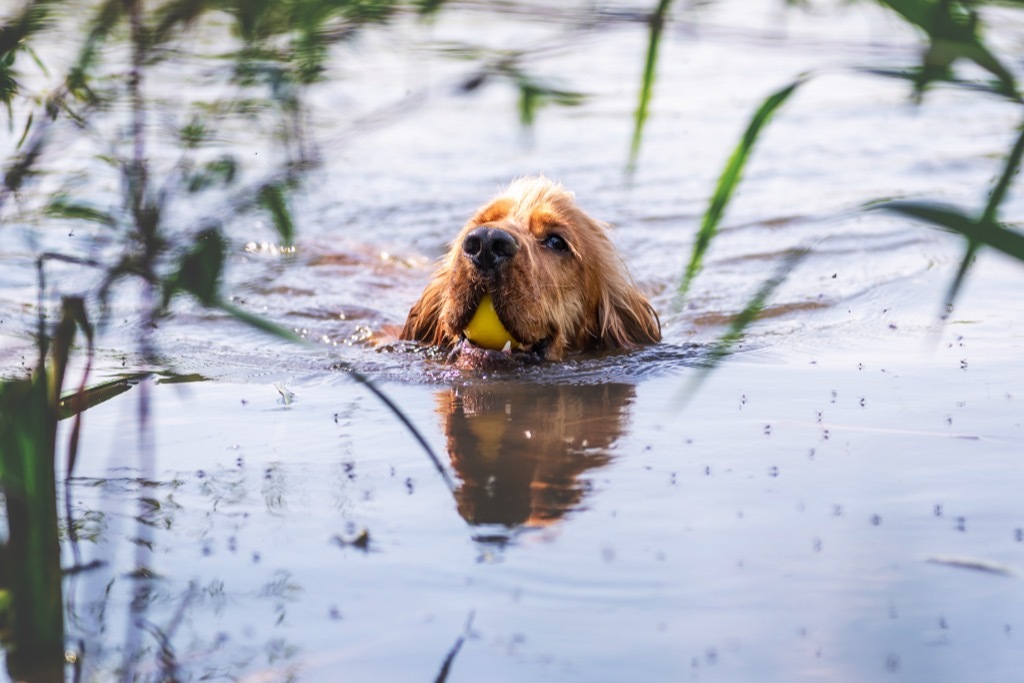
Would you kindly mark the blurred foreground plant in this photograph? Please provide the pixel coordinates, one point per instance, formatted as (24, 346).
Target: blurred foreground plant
(29, 410)
(149, 177)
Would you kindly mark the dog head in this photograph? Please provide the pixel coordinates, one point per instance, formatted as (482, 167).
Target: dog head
(550, 271)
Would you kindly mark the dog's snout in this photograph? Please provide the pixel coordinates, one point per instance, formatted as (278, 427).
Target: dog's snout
(488, 247)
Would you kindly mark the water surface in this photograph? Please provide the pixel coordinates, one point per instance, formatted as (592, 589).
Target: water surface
(839, 501)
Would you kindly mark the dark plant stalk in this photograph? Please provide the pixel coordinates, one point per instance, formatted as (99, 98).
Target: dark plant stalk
(446, 666)
(408, 423)
(42, 338)
(138, 169)
(146, 223)
(167, 659)
(77, 310)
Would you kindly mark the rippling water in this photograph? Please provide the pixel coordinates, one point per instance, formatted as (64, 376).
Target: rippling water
(775, 526)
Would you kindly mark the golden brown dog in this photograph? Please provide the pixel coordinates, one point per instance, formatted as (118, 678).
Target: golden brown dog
(554, 277)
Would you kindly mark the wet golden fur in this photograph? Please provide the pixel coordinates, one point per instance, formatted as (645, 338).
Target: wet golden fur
(552, 301)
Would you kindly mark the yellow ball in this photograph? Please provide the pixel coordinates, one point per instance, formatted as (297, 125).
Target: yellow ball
(486, 330)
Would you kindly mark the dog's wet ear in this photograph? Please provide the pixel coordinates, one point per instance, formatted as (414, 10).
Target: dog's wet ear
(626, 318)
(424, 321)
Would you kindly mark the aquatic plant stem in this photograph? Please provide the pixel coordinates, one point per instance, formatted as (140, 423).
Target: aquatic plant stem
(137, 173)
(145, 226)
(273, 329)
(406, 421)
(28, 431)
(446, 666)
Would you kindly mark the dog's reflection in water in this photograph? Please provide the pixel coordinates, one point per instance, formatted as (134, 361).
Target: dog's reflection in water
(522, 451)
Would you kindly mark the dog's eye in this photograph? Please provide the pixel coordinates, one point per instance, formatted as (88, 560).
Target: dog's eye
(556, 243)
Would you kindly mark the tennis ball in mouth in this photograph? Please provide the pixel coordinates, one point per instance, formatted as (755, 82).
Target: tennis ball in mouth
(485, 328)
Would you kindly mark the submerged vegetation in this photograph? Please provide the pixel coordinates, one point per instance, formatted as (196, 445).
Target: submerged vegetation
(175, 177)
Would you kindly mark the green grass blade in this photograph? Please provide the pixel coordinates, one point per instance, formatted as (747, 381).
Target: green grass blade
(199, 270)
(255, 321)
(15, 31)
(943, 216)
(78, 401)
(1009, 172)
(751, 311)
(62, 207)
(730, 179)
(983, 232)
(953, 219)
(952, 35)
(918, 75)
(174, 14)
(31, 555)
(528, 98)
(273, 198)
(979, 53)
(428, 7)
(107, 16)
(647, 86)
(714, 356)
(27, 440)
(958, 280)
(534, 93)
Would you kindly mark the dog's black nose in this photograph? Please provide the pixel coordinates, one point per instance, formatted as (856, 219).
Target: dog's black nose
(489, 247)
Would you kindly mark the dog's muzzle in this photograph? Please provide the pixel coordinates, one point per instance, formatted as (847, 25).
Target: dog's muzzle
(488, 248)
